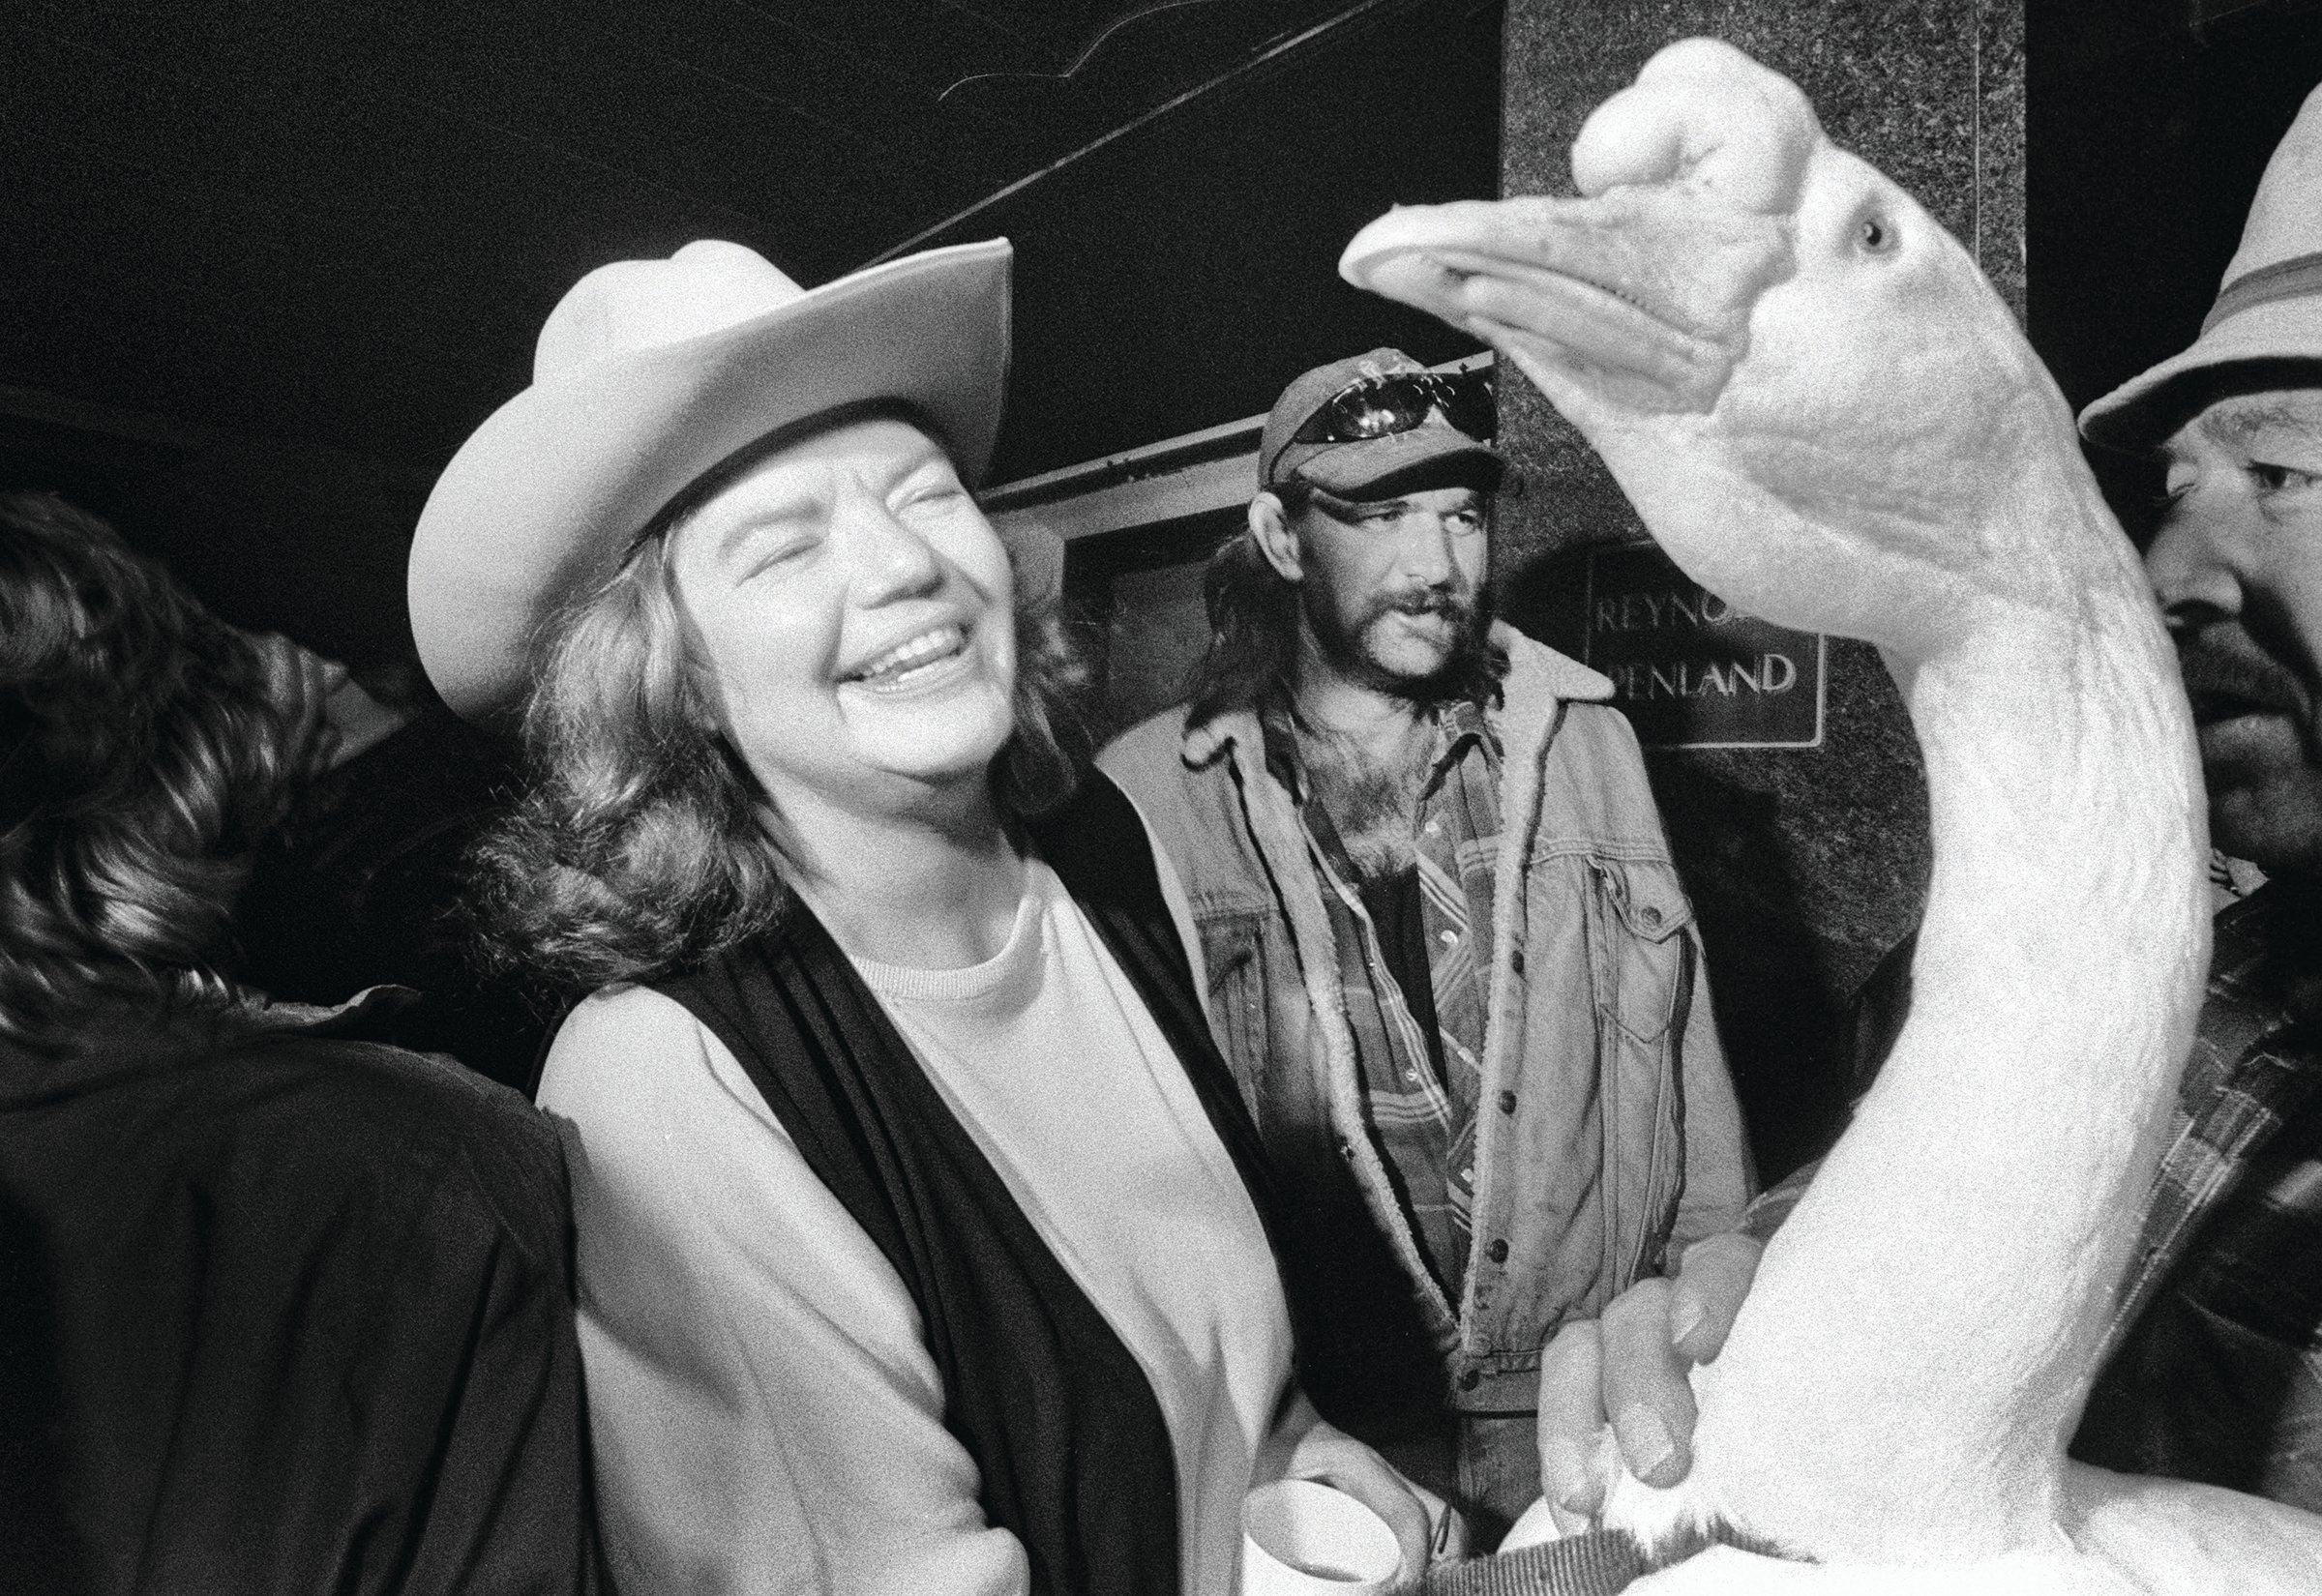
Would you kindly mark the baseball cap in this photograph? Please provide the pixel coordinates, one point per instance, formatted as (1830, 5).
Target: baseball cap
(1377, 421)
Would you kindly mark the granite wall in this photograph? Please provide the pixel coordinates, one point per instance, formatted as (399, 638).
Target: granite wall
(1806, 865)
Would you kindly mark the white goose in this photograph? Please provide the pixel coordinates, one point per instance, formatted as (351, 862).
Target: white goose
(1825, 415)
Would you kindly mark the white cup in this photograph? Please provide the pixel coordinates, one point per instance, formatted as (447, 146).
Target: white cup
(1304, 1538)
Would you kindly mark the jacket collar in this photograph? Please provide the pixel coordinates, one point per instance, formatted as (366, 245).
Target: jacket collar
(130, 1031)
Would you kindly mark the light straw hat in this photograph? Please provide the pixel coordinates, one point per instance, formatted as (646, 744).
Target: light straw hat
(648, 374)
(2270, 307)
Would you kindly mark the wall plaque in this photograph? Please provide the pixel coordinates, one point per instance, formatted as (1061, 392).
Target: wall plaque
(1692, 671)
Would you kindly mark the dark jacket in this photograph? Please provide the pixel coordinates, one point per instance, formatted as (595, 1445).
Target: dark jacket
(282, 1312)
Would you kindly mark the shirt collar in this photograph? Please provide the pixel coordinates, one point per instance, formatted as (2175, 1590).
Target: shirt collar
(1459, 727)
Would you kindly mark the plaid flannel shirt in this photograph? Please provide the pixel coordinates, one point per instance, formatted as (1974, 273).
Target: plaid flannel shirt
(1423, 1123)
(2214, 1366)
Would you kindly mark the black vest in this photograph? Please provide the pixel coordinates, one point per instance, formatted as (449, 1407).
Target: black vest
(1067, 1436)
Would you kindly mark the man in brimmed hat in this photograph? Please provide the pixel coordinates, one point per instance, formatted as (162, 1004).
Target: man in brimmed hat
(2213, 1364)
(1447, 955)
(2216, 1373)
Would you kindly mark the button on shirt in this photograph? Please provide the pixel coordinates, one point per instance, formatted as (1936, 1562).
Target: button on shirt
(1416, 1004)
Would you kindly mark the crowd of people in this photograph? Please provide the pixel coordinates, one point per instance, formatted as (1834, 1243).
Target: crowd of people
(962, 1165)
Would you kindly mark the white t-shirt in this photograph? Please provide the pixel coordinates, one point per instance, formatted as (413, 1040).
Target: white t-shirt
(764, 1412)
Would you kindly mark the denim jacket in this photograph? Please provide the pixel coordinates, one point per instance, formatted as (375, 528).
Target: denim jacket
(1608, 1136)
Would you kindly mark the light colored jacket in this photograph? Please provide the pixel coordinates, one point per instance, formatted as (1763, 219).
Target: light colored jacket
(1608, 1136)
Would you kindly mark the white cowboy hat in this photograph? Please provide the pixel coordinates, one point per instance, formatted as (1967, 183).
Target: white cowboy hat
(648, 374)
(2268, 309)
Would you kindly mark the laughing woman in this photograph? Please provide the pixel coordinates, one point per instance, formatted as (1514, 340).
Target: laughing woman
(922, 1240)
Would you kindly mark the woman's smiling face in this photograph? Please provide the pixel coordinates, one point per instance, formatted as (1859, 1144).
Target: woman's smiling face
(851, 615)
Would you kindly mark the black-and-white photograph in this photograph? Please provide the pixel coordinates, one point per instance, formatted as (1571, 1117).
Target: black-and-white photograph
(1160, 798)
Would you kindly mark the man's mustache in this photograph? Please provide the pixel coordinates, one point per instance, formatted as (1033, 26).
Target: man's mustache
(1458, 608)
(2225, 669)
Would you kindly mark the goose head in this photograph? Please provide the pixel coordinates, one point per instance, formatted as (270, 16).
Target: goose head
(1747, 320)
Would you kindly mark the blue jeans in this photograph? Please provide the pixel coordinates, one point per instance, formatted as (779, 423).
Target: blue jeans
(1485, 1464)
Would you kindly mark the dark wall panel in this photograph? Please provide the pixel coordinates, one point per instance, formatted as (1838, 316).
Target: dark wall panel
(1181, 276)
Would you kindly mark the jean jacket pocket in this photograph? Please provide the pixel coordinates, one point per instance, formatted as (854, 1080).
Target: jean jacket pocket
(1649, 963)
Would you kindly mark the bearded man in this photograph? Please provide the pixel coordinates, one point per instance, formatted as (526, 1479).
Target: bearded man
(1447, 955)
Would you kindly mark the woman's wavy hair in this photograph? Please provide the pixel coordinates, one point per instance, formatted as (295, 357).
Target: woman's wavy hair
(639, 846)
(142, 754)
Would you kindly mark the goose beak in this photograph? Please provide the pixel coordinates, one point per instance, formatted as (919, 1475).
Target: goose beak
(1641, 292)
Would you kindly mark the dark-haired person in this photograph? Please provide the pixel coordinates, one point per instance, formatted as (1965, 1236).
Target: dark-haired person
(1447, 955)
(923, 1242)
(282, 1309)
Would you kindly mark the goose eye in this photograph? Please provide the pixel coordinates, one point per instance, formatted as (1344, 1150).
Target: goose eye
(1875, 234)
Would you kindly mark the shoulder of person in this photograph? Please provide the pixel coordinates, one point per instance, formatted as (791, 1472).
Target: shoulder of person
(1150, 749)
(357, 1116)
(1536, 671)
(1547, 692)
(621, 1015)
(596, 1057)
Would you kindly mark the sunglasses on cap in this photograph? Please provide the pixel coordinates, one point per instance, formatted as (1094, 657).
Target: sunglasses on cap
(1401, 401)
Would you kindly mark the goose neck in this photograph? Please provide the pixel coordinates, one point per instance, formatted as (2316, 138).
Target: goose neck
(1952, 1270)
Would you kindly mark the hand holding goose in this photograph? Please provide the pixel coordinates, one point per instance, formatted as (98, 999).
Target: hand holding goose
(1825, 415)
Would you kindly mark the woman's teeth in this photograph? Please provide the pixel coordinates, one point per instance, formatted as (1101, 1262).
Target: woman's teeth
(898, 664)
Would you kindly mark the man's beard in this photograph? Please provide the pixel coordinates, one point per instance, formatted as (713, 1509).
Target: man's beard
(1344, 641)
(2226, 670)
(2261, 758)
